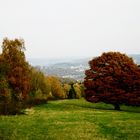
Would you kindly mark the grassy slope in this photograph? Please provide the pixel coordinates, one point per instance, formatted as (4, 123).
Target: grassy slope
(72, 120)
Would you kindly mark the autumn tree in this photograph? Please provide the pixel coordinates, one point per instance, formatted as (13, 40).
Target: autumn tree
(15, 70)
(113, 78)
(40, 88)
(57, 91)
(78, 90)
(5, 94)
(66, 88)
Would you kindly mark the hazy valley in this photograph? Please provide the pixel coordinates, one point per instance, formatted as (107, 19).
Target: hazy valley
(68, 68)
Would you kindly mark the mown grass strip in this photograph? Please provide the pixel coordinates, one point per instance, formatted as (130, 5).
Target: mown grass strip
(72, 119)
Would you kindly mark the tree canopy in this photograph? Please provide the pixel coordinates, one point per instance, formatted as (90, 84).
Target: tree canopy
(17, 71)
(113, 78)
(14, 76)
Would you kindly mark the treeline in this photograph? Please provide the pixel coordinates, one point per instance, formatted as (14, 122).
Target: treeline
(52, 88)
(23, 86)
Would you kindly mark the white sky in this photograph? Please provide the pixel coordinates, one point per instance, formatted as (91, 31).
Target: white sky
(72, 28)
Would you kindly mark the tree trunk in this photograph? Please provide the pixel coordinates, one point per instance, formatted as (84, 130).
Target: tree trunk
(117, 107)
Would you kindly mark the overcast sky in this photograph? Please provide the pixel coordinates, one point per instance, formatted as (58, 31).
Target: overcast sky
(72, 28)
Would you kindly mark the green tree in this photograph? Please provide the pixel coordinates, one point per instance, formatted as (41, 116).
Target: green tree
(72, 93)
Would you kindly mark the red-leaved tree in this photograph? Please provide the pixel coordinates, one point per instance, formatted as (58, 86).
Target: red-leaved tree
(113, 78)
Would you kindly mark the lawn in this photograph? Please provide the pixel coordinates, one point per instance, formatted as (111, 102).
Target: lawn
(72, 120)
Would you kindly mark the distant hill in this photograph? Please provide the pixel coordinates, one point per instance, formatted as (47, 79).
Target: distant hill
(60, 61)
(136, 58)
(71, 69)
(68, 68)
(68, 61)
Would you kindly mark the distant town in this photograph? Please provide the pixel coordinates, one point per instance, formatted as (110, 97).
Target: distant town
(68, 68)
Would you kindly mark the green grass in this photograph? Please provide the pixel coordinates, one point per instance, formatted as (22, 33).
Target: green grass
(72, 120)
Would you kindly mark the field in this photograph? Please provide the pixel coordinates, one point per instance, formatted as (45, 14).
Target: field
(72, 120)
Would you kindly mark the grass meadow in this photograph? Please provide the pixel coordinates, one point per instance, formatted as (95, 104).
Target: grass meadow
(72, 120)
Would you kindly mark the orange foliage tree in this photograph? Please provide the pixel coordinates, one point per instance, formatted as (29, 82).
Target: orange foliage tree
(113, 78)
(17, 69)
